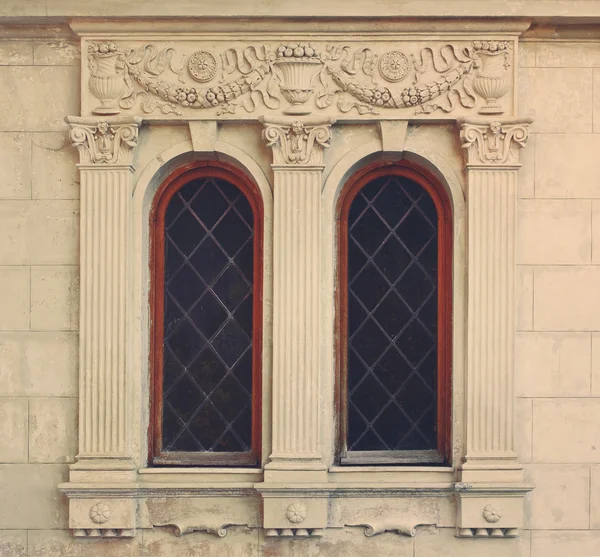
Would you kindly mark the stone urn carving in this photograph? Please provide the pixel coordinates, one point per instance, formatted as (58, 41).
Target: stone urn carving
(492, 80)
(106, 81)
(297, 65)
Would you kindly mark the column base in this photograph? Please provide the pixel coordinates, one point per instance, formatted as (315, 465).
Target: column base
(102, 469)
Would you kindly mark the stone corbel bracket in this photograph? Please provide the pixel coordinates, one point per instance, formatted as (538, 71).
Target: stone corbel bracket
(490, 510)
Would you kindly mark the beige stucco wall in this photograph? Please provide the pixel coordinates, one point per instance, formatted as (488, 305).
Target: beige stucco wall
(558, 338)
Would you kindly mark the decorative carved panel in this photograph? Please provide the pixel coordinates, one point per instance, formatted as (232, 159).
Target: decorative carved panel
(197, 79)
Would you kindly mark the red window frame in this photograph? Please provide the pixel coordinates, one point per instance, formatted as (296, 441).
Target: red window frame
(172, 184)
(444, 395)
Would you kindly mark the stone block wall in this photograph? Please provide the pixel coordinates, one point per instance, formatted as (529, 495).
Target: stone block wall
(558, 338)
(558, 345)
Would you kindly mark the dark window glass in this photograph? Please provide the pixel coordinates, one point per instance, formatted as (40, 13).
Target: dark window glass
(392, 317)
(208, 316)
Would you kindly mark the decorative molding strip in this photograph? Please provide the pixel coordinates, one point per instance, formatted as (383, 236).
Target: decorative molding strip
(103, 141)
(493, 143)
(416, 77)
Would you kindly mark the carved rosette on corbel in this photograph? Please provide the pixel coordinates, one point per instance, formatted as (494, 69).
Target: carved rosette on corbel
(105, 142)
(493, 143)
(296, 143)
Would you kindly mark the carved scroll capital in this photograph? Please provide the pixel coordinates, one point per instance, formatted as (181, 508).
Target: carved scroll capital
(493, 143)
(297, 143)
(110, 141)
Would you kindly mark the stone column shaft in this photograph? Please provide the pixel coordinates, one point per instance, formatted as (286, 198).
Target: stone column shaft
(105, 200)
(106, 152)
(491, 313)
(492, 151)
(295, 320)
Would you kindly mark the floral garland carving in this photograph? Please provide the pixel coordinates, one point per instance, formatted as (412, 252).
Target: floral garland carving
(442, 78)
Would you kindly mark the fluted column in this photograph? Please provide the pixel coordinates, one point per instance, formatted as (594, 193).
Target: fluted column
(297, 155)
(106, 151)
(490, 473)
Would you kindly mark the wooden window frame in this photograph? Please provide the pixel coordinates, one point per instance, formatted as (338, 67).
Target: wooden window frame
(439, 196)
(170, 186)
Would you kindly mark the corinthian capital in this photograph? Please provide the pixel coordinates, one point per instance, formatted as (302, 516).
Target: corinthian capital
(297, 143)
(493, 143)
(105, 141)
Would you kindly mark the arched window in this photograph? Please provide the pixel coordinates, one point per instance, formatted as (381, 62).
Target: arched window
(206, 296)
(394, 317)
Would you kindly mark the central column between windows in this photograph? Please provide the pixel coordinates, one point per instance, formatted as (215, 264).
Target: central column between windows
(298, 170)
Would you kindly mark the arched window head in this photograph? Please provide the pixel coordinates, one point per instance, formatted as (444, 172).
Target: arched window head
(394, 317)
(206, 270)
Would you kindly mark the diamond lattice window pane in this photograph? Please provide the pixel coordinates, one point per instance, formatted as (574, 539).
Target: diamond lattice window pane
(392, 317)
(207, 363)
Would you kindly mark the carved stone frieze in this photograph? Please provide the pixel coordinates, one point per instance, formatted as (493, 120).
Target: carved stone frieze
(105, 141)
(297, 143)
(390, 79)
(493, 143)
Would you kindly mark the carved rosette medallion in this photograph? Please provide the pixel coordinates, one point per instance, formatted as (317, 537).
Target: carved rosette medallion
(494, 143)
(202, 66)
(492, 514)
(100, 512)
(296, 513)
(394, 66)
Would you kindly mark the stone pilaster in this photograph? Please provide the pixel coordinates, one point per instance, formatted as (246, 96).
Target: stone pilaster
(295, 456)
(106, 153)
(106, 149)
(491, 476)
(297, 155)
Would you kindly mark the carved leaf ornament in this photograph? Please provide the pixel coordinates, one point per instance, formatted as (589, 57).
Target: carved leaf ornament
(441, 78)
